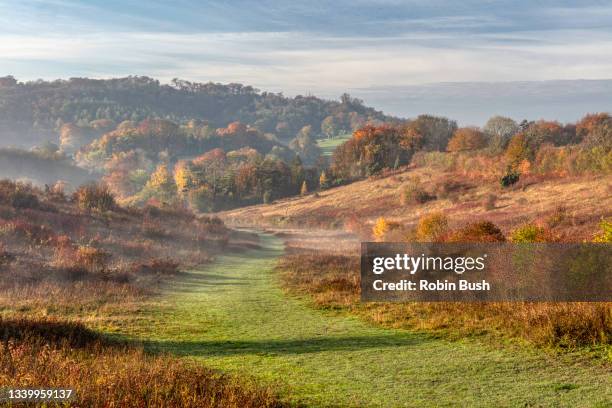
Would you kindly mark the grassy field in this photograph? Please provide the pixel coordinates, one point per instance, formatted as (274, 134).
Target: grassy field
(233, 316)
(329, 145)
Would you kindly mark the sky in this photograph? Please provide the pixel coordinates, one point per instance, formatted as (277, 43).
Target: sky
(322, 48)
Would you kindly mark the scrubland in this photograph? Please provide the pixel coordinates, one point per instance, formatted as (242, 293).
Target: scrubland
(74, 266)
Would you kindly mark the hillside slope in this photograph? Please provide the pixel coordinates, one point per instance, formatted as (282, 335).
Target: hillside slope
(578, 202)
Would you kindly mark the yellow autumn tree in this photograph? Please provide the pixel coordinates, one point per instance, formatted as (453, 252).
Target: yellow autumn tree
(304, 189)
(380, 229)
(323, 181)
(182, 176)
(161, 183)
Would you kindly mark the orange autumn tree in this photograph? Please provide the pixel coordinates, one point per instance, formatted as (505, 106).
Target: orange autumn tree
(590, 122)
(467, 138)
(373, 149)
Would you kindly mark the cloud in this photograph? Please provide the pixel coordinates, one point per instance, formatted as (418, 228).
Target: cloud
(317, 47)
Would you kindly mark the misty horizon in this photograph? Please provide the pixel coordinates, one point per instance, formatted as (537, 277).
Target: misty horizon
(470, 103)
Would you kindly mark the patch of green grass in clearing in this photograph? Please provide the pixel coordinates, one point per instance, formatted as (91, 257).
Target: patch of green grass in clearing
(329, 145)
(234, 317)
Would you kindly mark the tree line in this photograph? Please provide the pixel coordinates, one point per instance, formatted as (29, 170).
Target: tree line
(35, 111)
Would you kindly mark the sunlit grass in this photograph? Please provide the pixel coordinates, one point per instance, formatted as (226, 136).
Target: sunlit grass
(232, 315)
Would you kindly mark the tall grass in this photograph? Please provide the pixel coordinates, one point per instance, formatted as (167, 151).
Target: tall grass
(51, 353)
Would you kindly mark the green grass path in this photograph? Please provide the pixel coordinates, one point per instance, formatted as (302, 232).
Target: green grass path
(232, 316)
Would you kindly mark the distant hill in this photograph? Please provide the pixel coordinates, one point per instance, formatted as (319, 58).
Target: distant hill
(33, 112)
(472, 103)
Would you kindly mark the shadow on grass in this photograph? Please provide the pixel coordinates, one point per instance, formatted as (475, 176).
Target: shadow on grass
(217, 348)
(195, 281)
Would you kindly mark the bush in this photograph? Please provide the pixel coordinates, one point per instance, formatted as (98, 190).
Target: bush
(413, 193)
(483, 231)
(7, 189)
(431, 227)
(382, 228)
(92, 259)
(605, 235)
(531, 233)
(558, 217)
(94, 197)
(451, 188)
(512, 177)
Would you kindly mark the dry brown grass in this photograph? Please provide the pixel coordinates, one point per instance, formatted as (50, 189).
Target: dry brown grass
(105, 374)
(332, 281)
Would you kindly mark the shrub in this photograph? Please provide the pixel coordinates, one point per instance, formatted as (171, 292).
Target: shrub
(382, 228)
(7, 190)
(512, 177)
(413, 193)
(5, 256)
(18, 195)
(558, 217)
(450, 188)
(531, 233)
(483, 231)
(94, 197)
(431, 227)
(92, 259)
(518, 149)
(605, 235)
(323, 181)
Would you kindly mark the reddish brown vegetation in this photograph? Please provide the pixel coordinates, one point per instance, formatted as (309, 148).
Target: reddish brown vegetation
(106, 374)
(49, 242)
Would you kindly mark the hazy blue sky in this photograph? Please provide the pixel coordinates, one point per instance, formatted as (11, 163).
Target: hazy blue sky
(323, 48)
